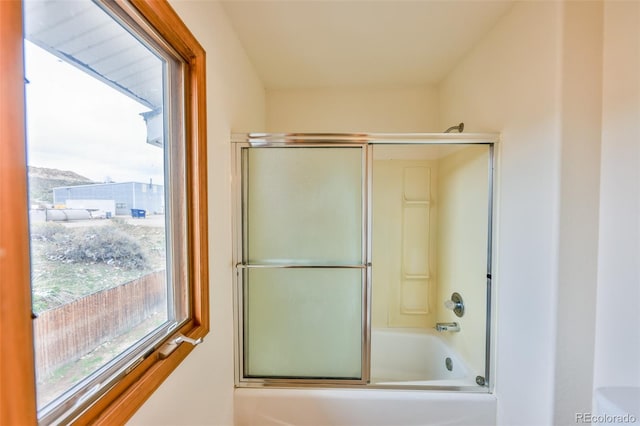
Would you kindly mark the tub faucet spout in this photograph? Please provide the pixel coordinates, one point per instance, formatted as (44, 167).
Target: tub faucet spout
(447, 326)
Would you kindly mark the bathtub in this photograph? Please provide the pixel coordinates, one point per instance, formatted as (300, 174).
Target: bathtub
(361, 407)
(398, 360)
(416, 357)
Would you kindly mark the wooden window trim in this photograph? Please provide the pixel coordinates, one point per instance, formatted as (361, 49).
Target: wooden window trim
(17, 378)
(17, 375)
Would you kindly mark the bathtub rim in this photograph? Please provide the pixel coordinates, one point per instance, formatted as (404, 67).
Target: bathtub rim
(324, 385)
(341, 407)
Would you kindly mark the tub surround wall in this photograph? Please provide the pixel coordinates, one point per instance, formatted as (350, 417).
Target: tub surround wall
(200, 391)
(462, 249)
(458, 205)
(399, 300)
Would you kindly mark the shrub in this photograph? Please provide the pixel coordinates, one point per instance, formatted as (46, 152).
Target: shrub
(103, 244)
(48, 231)
(119, 222)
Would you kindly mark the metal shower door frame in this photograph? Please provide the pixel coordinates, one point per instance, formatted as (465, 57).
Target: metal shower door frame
(243, 141)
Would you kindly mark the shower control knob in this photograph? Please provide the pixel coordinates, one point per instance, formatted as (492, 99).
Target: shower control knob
(455, 304)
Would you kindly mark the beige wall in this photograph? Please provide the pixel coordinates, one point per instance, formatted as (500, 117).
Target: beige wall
(413, 109)
(462, 248)
(618, 303)
(509, 83)
(581, 80)
(200, 391)
(536, 77)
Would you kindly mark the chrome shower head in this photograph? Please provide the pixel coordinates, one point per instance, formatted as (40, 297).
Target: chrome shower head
(459, 128)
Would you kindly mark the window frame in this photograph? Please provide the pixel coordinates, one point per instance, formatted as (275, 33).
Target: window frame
(17, 378)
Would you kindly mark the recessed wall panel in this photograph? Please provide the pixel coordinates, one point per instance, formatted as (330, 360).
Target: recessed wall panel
(415, 240)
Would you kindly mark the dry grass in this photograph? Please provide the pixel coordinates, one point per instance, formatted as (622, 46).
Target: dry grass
(69, 261)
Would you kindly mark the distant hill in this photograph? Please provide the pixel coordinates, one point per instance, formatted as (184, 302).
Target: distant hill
(42, 181)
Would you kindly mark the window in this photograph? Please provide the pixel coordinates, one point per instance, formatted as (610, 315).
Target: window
(118, 271)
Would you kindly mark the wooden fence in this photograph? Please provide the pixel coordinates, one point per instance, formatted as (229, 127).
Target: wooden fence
(67, 333)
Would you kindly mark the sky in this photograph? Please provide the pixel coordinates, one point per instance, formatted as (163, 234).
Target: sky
(78, 123)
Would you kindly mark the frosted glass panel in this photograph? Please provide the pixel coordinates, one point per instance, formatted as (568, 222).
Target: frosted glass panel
(303, 323)
(304, 205)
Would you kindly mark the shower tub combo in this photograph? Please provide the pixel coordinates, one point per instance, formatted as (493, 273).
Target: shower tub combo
(325, 338)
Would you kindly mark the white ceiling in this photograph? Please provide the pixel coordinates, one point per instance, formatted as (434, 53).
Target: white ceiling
(360, 43)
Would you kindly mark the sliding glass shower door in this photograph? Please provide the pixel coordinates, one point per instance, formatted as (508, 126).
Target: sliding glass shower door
(303, 272)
